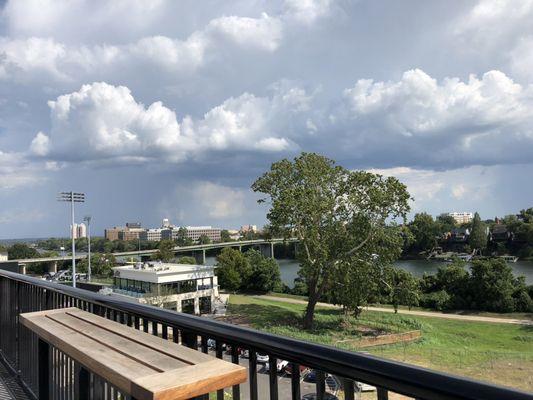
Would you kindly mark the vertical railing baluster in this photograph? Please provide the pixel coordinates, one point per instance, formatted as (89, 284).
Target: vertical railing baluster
(295, 381)
(204, 346)
(218, 350)
(273, 377)
(236, 389)
(253, 374)
(320, 384)
(383, 394)
(175, 335)
(348, 385)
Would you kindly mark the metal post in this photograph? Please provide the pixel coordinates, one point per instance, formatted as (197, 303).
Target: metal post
(88, 219)
(72, 197)
(44, 376)
(83, 382)
(73, 242)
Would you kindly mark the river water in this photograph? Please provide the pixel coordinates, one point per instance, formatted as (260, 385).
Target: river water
(289, 268)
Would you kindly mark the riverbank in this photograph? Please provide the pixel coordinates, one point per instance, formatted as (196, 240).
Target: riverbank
(498, 352)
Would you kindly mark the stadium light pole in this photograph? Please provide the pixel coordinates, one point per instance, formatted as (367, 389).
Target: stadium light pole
(72, 197)
(87, 219)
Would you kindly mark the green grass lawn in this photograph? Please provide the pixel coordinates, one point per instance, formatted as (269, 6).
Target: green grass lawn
(501, 353)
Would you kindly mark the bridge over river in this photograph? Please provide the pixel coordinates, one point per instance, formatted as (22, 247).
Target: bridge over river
(266, 246)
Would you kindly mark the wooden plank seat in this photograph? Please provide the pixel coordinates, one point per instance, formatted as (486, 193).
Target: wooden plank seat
(137, 363)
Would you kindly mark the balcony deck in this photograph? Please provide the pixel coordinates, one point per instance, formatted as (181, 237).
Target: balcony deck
(9, 388)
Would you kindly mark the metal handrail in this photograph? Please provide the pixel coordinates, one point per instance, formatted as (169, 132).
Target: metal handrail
(410, 380)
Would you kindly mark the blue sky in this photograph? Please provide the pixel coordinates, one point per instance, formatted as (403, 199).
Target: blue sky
(171, 109)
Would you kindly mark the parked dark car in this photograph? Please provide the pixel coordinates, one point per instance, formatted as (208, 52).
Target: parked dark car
(313, 396)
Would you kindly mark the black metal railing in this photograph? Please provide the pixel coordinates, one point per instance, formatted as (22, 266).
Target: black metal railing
(19, 350)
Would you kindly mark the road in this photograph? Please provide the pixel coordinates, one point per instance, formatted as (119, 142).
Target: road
(263, 384)
(432, 314)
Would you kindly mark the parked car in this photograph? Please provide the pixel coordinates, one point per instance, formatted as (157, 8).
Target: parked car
(288, 369)
(364, 387)
(280, 365)
(245, 353)
(310, 376)
(313, 396)
(262, 358)
(212, 344)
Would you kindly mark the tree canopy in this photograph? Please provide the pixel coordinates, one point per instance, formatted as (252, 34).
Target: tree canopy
(339, 216)
(478, 234)
(250, 271)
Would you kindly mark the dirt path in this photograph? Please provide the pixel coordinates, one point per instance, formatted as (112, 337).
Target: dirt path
(432, 314)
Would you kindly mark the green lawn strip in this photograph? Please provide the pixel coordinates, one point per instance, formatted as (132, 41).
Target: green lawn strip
(450, 345)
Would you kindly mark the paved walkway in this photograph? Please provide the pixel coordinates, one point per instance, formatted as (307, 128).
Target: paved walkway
(432, 314)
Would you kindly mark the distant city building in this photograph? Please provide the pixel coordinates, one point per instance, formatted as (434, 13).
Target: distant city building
(78, 231)
(194, 232)
(165, 223)
(3, 256)
(130, 233)
(179, 287)
(249, 228)
(112, 233)
(153, 235)
(234, 234)
(462, 217)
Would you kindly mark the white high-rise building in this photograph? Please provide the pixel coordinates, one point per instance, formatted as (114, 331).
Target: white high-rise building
(78, 231)
(462, 217)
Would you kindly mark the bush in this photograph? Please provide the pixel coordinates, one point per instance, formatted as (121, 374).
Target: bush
(437, 300)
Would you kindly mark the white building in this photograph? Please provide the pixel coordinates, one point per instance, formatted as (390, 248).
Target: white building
(249, 228)
(3, 256)
(78, 231)
(180, 287)
(462, 217)
(151, 234)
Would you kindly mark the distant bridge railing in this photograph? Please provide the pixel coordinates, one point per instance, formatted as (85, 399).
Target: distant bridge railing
(18, 348)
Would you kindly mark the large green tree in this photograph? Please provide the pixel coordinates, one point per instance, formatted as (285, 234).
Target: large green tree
(21, 250)
(492, 285)
(183, 239)
(165, 251)
(232, 269)
(264, 272)
(225, 236)
(478, 234)
(425, 231)
(204, 239)
(338, 215)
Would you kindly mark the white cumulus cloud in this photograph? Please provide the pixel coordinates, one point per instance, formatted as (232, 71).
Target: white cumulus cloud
(482, 120)
(105, 122)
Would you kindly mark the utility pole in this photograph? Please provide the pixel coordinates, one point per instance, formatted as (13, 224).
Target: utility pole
(72, 198)
(87, 219)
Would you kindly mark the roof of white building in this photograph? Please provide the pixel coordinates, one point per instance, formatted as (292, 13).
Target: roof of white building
(157, 272)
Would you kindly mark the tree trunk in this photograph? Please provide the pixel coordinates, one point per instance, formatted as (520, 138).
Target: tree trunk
(310, 312)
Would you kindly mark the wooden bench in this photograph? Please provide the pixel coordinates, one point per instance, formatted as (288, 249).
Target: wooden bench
(141, 365)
